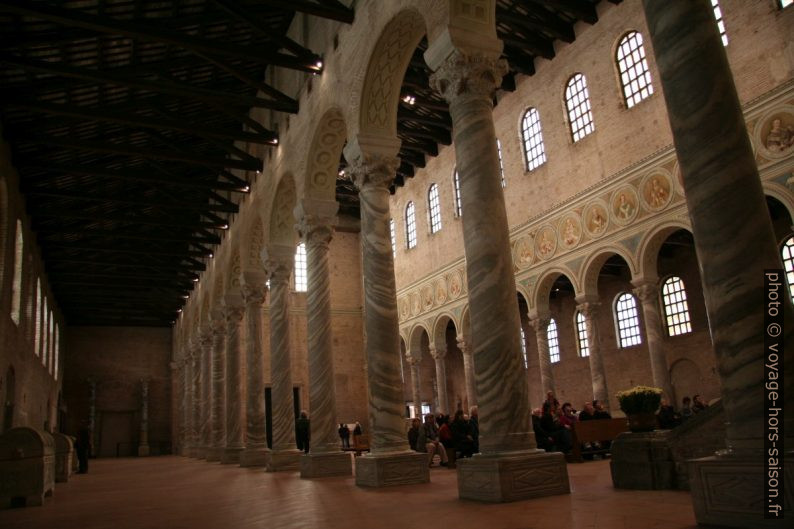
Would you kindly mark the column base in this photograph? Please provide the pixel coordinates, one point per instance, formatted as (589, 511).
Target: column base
(143, 450)
(513, 476)
(254, 457)
(394, 468)
(231, 456)
(194, 452)
(728, 491)
(642, 461)
(282, 460)
(326, 464)
(214, 454)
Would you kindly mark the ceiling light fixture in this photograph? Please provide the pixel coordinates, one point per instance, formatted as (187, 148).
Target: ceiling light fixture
(408, 98)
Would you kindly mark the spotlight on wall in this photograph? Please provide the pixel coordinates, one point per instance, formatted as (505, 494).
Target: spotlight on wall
(246, 189)
(317, 67)
(408, 98)
(341, 173)
(179, 310)
(223, 227)
(195, 279)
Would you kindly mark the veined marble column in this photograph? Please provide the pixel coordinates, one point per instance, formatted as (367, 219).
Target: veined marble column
(589, 310)
(218, 403)
(390, 461)
(416, 383)
(279, 261)
(735, 244)
(254, 294)
(143, 441)
(235, 383)
(648, 292)
(316, 219)
(195, 423)
(206, 391)
(468, 371)
(187, 405)
(439, 356)
(541, 326)
(467, 79)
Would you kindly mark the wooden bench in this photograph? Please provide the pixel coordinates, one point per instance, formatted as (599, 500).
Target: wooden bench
(360, 444)
(594, 431)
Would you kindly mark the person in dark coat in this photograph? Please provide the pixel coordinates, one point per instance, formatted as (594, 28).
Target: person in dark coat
(461, 435)
(82, 446)
(302, 432)
(474, 426)
(344, 434)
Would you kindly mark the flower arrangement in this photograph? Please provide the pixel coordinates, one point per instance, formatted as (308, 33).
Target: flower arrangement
(640, 399)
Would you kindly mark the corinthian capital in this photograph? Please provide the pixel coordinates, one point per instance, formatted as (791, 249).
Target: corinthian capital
(468, 75)
(316, 220)
(646, 291)
(278, 259)
(372, 170)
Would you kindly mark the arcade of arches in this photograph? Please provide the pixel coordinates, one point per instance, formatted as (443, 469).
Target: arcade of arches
(573, 237)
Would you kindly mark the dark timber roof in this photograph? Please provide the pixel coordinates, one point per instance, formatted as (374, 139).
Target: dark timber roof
(122, 117)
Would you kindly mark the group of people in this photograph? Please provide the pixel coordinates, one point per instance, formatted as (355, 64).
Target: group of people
(439, 435)
(344, 433)
(553, 423)
(670, 418)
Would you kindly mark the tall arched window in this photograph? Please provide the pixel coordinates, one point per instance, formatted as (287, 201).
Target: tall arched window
(301, 280)
(37, 327)
(57, 350)
(393, 238)
(581, 334)
(524, 347)
(676, 310)
(720, 21)
(45, 334)
(410, 225)
(501, 165)
(628, 321)
(16, 283)
(577, 101)
(787, 253)
(531, 133)
(434, 208)
(554, 342)
(634, 74)
(51, 341)
(456, 187)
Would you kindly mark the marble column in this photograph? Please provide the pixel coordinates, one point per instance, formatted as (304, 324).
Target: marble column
(513, 466)
(279, 261)
(416, 382)
(589, 310)
(195, 423)
(187, 405)
(372, 166)
(735, 244)
(439, 355)
(254, 289)
(206, 391)
(235, 383)
(468, 371)
(218, 376)
(92, 415)
(648, 292)
(143, 440)
(541, 326)
(316, 220)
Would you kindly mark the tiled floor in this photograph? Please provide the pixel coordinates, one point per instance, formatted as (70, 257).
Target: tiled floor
(174, 492)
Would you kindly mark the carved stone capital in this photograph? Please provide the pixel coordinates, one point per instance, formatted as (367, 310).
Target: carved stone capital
(463, 76)
(646, 291)
(372, 170)
(316, 220)
(233, 314)
(462, 345)
(253, 287)
(589, 309)
(437, 353)
(413, 360)
(218, 322)
(278, 260)
(540, 324)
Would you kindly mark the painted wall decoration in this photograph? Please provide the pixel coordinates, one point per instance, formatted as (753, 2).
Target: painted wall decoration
(624, 205)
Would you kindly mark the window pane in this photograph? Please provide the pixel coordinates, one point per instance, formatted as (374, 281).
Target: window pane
(534, 150)
(788, 262)
(720, 21)
(577, 99)
(393, 239)
(581, 331)
(501, 165)
(16, 286)
(458, 206)
(434, 207)
(628, 321)
(410, 225)
(554, 342)
(675, 307)
(300, 268)
(634, 71)
(524, 347)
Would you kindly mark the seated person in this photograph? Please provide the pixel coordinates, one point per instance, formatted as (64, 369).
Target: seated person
(543, 438)
(588, 412)
(431, 436)
(686, 409)
(667, 417)
(550, 423)
(600, 411)
(697, 404)
(568, 416)
(444, 433)
(461, 435)
(413, 433)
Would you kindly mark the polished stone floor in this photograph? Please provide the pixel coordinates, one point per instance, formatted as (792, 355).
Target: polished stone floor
(174, 492)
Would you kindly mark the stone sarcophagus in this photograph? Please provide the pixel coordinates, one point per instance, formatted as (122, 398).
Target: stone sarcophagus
(64, 456)
(27, 467)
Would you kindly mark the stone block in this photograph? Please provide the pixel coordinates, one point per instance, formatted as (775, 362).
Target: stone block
(231, 456)
(64, 457)
(728, 491)
(392, 468)
(642, 461)
(282, 460)
(325, 465)
(513, 476)
(27, 467)
(254, 457)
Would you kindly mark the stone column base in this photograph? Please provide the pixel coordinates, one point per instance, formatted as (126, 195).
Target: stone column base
(214, 454)
(281, 460)
(143, 450)
(194, 452)
(729, 491)
(642, 461)
(512, 476)
(254, 457)
(395, 468)
(326, 464)
(231, 456)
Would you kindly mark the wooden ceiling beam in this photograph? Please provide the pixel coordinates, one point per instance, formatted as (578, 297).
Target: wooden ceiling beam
(331, 10)
(68, 213)
(540, 20)
(62, 247)
(580, 9)
(233, 208)
(91, 236)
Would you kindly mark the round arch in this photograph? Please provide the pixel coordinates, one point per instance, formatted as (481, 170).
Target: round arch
(592, 268)
(648, 250)
(540, 297)
(324, 153)
(282, 221)
(439, 335)
(415, 340)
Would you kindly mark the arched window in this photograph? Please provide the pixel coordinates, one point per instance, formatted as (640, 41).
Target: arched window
(456, 187)
(37, 328)
(434, 208)
(45, 337)
(393, 238)
(581, 334)
(554, 342)
(634, 74)
(57, 350)
(524, 347)
(577, 100)
(676, 309)
(534, 150)
(788, 262)
(16, 284)
(720, 22)
(300, 268)
(51, 341)
(628, 320)
(410, 226)
(501, 165)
